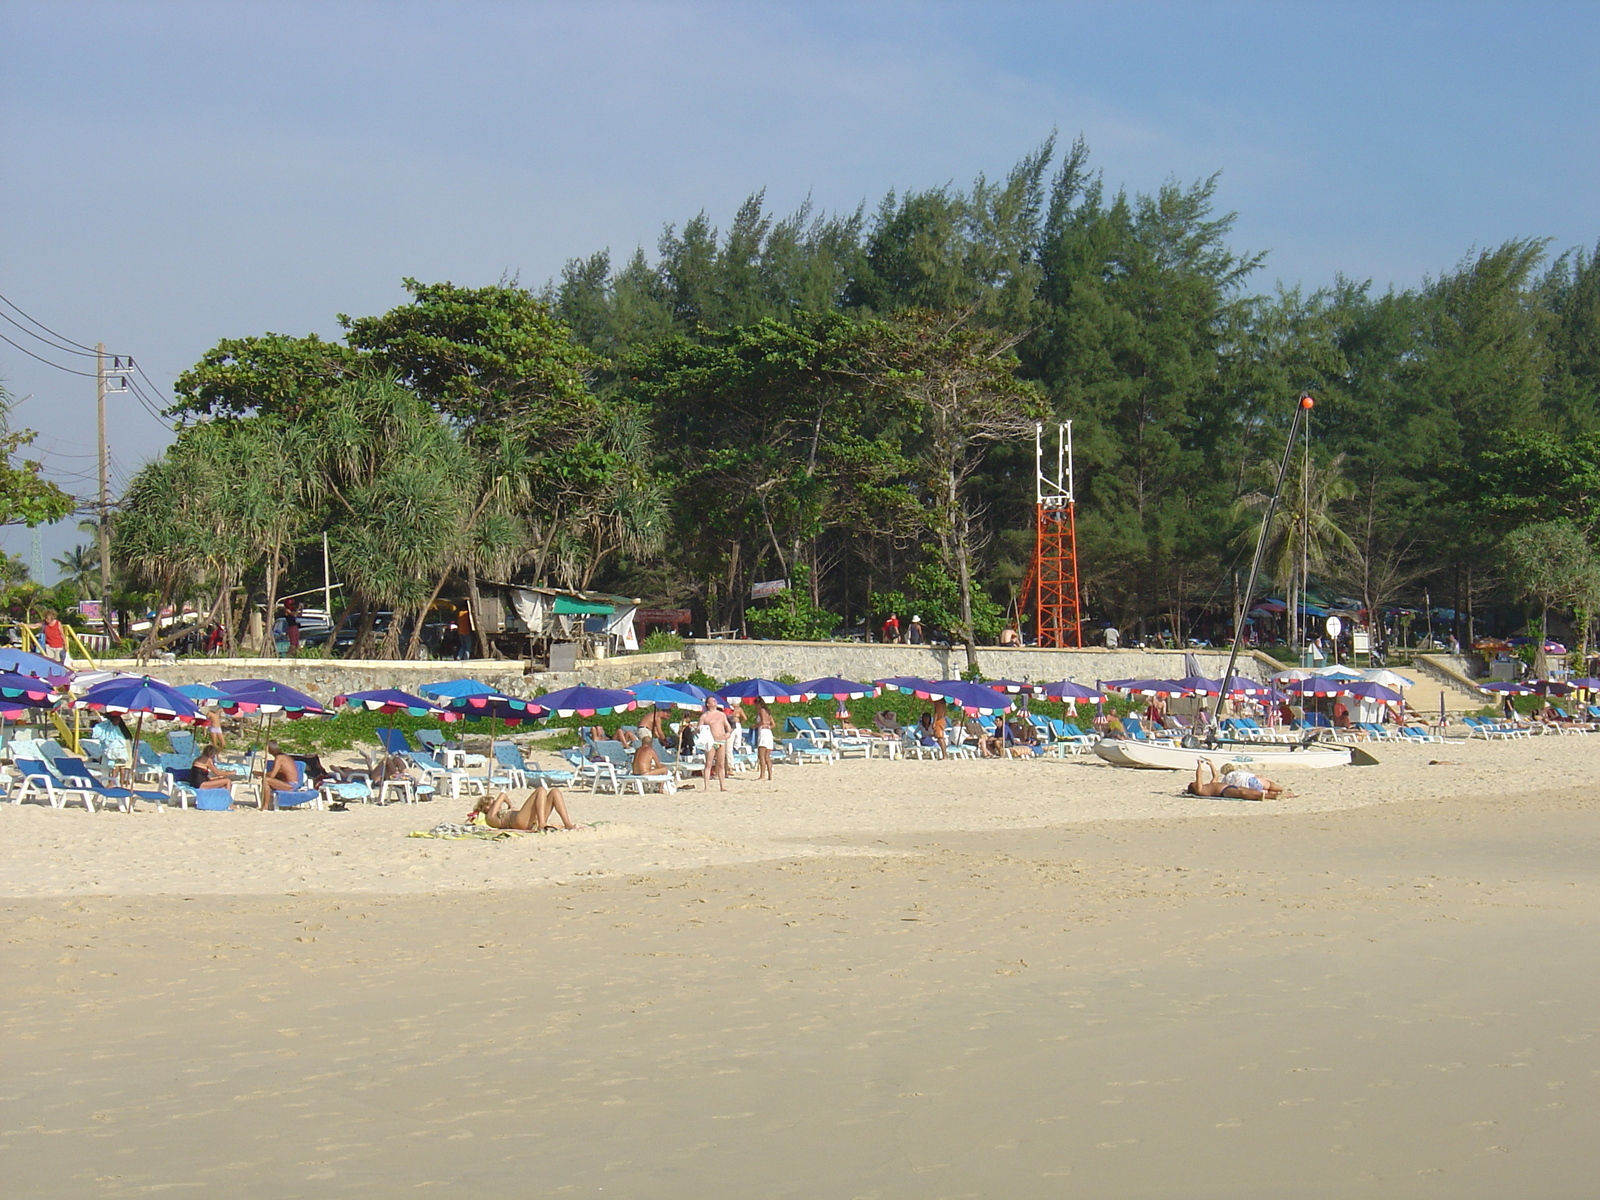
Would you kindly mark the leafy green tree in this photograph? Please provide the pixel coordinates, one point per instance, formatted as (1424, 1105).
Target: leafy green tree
(793, 615)
(274, 374)
(1552, 563)
(26, 497)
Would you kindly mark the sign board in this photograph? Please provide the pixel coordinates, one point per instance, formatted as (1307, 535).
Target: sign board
(663, 616)
(1361, 642)
(1335, 627)
(772, 587)
(89, 610)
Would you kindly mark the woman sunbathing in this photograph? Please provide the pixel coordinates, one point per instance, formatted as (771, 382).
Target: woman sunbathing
(1236, 784)
(500, 813)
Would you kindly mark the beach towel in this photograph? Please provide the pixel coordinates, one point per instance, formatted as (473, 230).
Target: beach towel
(483, 833)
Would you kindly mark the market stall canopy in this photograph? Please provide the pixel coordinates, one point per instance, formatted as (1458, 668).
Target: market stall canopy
(567, 606)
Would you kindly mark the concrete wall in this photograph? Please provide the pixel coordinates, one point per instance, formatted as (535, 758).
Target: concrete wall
(869, 660)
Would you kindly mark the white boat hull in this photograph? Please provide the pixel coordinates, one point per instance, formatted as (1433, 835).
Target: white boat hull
(1268, 757)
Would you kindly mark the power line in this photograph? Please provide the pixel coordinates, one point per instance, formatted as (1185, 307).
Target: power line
(42, 338)
(46, 361)
(63, 337)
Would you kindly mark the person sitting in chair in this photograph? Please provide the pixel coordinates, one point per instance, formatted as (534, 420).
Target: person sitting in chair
(204, 772)
(282, 775)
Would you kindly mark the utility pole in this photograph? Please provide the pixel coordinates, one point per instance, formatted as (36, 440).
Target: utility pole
(105, 489)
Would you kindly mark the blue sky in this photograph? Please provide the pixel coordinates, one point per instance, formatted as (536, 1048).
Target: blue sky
(175, 173)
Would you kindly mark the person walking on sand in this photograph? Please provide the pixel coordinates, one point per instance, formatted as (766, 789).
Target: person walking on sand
(764, 726)
(715, 730)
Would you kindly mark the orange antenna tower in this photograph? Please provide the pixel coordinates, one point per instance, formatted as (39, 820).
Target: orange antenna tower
(1058, 610)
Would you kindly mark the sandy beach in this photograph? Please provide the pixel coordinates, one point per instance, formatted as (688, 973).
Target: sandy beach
(1006, 979)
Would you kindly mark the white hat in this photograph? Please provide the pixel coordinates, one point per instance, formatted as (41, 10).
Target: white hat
(916, 618)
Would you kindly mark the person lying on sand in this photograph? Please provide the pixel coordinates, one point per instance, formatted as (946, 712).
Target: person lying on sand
(500, 813)
(1236, 784)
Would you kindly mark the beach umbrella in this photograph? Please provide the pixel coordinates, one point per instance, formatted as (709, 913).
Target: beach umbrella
(1588, 683)
(1339, 673)
(507, 710)
(1318, 685)
(392, 700)
(1373, 691)
(1552, 687)
(1067, 690)
(750, 690)
(1199, 685)
(665, 695)
(971, 698)
(1388, 678)
(831, 687)
(455, 689)
(20, 694)
(1149, 687)
(584, 702)
(24, 662)
(268, 697)
(911, 685)
(1510, 687)
(1011, 687)
(200, 693)
(140, 696)
(691, 689)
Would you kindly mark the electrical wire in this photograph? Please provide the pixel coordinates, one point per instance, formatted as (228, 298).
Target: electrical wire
(46, 361)
(45, 340)
(33, 321)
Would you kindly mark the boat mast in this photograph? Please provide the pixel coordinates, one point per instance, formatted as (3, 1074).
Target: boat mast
(1302, 411)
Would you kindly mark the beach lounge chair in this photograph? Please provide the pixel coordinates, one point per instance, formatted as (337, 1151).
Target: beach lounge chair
(803, 750)
(75, 773)
(39, 780)
(301, 795)
(182, 742)
(443, 776)
(449, 753)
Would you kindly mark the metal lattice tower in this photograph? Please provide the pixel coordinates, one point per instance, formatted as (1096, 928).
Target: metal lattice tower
(1058, 611)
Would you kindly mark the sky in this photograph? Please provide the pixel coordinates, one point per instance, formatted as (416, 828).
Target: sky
(175, 173)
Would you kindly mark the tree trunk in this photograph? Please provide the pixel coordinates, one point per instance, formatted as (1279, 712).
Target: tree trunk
(416, 630)
(473, 607)
(964, 581)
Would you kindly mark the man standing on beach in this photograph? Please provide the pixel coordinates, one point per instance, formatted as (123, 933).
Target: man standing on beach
(714, 733)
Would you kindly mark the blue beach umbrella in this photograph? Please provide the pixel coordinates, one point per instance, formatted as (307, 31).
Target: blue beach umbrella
(831, 687)
(19, 693)
(971, 698)
(665, 695)
(392, 700)
(139, 696)
(748, 691)
(1011, 687)
(456, 689)
(1067, 690)
(268, 697)
(23, 662)
(911, 685)
(498, 707)
(202, 693)
(586, 701)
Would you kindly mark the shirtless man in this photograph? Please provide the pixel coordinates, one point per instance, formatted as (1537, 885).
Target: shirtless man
(281, 776)
(501, 813)
(648, 763)
(651, 725)
(716, 730)
(764, 740)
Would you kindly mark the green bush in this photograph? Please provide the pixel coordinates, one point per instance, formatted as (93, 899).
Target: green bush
(661, 642)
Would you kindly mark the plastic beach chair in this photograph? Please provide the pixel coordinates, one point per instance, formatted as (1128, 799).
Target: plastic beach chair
(39, 780)
(76, 774)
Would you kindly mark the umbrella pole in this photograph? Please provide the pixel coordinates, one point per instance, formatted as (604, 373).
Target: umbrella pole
(133, 762)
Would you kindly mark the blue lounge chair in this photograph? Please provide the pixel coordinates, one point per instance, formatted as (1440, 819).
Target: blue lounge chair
(75, 774)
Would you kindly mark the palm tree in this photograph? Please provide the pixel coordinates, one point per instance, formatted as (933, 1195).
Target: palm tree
(1304, 536)
(80, 567)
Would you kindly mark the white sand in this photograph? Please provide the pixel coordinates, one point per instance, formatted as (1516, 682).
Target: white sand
(72, 852)
(875, 981)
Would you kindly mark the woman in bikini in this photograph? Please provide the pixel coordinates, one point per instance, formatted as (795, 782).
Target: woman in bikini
(500, 813)
(1236, 784)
